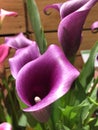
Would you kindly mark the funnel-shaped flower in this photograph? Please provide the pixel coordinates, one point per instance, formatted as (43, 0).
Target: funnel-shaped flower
(47, 78)
(73, 15)
(5, 126)
(70, 28)
(4, 13)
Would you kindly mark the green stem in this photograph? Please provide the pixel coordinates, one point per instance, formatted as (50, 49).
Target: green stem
(42, 126)
(93, 88)
(91, 111)
(14, 114)
(36, 25)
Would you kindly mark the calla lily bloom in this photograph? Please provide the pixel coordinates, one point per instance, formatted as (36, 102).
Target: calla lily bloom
(4, 13)
(70, 28)
(4, 50)
(73, 15)
(5, 126)
(94, 27)
(44, 80)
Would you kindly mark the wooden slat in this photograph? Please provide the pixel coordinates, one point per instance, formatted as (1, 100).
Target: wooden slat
(51, 22)
(17, 24)
(88, 40)
(92, 16)
(1, 40)
(51, 38)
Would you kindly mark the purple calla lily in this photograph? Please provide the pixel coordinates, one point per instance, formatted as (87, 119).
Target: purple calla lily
(70, 28)
(73, 15)
(47, 78)
(5, 126)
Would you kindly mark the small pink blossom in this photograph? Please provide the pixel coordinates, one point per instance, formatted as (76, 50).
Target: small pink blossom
(4, 13)
(5, 126)
(4, 51)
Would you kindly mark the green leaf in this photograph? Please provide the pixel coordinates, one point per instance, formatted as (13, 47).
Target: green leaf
(36, 24)
(21, 104)
(31, 121)
(65, 128)
(22, 120)
(87, 72)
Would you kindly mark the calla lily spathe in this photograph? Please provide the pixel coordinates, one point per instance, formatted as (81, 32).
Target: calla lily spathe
(70, 28)
(48, 77)
(73, 15)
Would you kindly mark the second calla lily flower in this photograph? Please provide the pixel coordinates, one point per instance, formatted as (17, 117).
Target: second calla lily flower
(73, 15)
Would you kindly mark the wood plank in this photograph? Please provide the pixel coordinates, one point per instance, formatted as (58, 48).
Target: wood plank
(17, 24)
(78, 62)
(88, 40)
(92, 16)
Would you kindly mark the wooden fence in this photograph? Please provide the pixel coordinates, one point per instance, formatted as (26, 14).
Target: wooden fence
(14, 25)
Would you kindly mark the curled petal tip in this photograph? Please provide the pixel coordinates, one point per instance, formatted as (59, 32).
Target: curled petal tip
(55, 6)
(94, 27)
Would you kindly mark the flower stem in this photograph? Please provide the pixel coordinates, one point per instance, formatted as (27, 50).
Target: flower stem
(36, 25)
(14, 114)
(91, 111)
